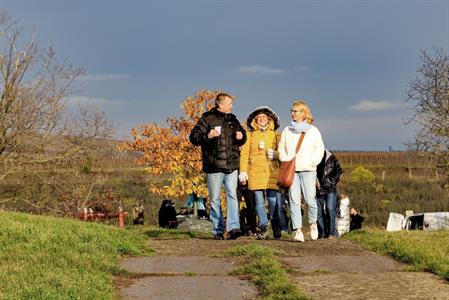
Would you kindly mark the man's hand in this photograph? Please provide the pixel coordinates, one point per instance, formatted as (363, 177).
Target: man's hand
(213, 133)
(239, 135)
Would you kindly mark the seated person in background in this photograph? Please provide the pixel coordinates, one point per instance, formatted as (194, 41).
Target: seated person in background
(138, 215)
(343, 215)
(202, 212)
(183, 211)
(356, 220)
(167, 215)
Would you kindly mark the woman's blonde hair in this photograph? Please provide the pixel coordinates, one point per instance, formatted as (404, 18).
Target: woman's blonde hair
(302, 105)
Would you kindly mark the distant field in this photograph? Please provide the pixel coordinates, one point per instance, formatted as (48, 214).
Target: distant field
(404, 180)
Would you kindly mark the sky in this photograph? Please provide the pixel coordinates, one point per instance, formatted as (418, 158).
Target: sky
(351, 61)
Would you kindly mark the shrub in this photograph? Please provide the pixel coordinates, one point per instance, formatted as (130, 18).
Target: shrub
(361, 174)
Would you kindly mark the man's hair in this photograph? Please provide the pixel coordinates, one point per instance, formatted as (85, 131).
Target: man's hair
(220, 97)
(302, 105)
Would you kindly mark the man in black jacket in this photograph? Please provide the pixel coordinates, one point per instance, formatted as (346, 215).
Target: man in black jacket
(220, 135)
(328, 175)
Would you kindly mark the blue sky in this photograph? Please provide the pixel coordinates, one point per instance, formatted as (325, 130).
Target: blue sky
(350, 60)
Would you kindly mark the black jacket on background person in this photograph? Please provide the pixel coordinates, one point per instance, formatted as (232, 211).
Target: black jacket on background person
(167, 214)
(328, 173)
(356, 222)
(221, 153)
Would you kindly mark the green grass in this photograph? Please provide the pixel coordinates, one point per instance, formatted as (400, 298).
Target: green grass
(266, 272)
(423, 250)
(53, 258)
(163, 233)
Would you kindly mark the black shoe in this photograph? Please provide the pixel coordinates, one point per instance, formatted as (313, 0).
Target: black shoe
(234, 234)
(218, 236)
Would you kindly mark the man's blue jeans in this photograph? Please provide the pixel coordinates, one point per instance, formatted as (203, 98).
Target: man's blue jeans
(327, 202)
(273, 205)
(214, 184)
(303, 183)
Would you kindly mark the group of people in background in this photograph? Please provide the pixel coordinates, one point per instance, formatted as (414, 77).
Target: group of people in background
(233, 157)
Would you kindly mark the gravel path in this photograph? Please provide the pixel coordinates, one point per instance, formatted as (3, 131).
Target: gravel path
(337, 269)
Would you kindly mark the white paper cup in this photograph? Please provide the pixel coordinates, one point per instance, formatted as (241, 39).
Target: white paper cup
(218, 129)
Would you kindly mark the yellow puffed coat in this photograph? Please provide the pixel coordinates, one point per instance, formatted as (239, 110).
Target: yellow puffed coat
(262, 172)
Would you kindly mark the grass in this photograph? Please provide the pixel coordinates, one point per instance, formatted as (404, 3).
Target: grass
(423, 250)
(163, 233)
(266, 272)
(53, 258)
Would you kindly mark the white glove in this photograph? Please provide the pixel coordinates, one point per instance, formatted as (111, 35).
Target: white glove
(243, 177)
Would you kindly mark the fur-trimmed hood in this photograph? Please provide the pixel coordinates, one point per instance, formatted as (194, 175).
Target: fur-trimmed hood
(262, 109)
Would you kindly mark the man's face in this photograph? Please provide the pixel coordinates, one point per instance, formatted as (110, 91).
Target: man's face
(225, 105)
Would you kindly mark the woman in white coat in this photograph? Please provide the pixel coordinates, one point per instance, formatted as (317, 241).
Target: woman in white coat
(307, 159)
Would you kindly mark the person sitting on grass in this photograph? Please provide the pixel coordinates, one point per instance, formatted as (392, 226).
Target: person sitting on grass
(167, 215)
(356, 220)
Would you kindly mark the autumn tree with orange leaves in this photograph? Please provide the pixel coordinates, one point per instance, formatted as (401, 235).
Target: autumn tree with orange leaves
(168, 150)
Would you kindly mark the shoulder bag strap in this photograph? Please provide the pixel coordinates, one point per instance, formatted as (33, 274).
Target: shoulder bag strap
(298, 146)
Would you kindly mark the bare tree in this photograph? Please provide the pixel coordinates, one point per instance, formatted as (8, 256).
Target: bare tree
(430, 93)
(35, 128)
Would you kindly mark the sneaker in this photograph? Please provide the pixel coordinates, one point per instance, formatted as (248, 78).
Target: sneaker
(331, 237)
(313, 231)
(218, 236)
(234, 234)
(299, 236)
(263, 233)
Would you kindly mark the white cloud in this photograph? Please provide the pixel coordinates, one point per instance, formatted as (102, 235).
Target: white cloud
(104, 77)
(91, 102)
(368, 105)
(259, 70)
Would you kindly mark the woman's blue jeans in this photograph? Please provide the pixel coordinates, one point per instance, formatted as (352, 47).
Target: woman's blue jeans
(303, 183)
(274, 205)
(327, 203)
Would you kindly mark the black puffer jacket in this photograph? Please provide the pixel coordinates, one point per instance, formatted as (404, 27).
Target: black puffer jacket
(222, 153)
(328, 173)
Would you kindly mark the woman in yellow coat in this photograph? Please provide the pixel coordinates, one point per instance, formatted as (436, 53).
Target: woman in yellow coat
(259, 166)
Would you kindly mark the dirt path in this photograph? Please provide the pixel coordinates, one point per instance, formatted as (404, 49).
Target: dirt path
(337, 269)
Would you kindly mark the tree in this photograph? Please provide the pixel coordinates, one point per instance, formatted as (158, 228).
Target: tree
(34, 125)
(36, 130)
(430, 93)
(169, 151)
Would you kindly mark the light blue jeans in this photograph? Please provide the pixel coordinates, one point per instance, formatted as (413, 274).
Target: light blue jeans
(214, 184)
(303, 183)
(272, 199)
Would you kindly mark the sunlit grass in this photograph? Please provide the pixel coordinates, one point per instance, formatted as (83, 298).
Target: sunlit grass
(54, 258)
(266, 272)
(164, 233)
(423, 250)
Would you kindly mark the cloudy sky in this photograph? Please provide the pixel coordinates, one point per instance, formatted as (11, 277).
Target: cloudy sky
(350, 60)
